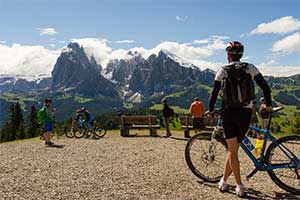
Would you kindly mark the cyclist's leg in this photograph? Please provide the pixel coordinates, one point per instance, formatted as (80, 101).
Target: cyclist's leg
(235, 124)
(232, 161)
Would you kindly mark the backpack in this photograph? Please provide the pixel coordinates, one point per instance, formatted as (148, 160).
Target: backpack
(42, 115)
(237, 86)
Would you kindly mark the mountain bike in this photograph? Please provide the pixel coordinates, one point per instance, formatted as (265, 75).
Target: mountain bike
(81, 128)
(205, 154)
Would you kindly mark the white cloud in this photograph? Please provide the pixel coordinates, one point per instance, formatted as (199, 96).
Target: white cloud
(97, 48)
(202, 41)
(274, 68)
(125, 42)
(26, 60)
(213, 43)
(35, 60)
(3, 42)
(289, 44)
(279, 70)
(52, 45)
(181, 18)
(282, 25)
(47, 31)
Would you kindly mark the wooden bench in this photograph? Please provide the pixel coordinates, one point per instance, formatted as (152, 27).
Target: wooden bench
(186, 122)
(138, 122)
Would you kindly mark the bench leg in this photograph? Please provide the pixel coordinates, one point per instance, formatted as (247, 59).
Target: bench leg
(187, 133)
(153, 132)
(124, 132)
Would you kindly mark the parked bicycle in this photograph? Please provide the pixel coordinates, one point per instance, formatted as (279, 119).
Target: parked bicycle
(205, 153)
(80, 128)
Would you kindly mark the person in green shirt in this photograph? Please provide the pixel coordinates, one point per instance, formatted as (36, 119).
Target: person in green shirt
(46, 117)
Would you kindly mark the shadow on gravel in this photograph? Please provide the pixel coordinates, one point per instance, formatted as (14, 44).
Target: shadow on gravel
(147, 136)
(56, 146)
(177, 138)
(285, 195)
(251, 193)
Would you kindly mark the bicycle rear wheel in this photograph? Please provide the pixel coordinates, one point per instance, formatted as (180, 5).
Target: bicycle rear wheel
(99, 131)
(286, 178)
(205, 156)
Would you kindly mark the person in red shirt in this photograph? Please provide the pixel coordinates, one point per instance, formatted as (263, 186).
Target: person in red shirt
(197, 109)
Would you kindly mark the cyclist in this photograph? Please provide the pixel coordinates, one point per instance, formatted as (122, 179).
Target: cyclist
(88, 119)
(236, 106)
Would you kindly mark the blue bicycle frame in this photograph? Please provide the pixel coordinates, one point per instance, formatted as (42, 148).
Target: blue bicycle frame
(259, 163)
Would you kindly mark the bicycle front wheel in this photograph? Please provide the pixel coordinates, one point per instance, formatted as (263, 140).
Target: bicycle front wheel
(278, 153)
(205, 156)
(79, 132)
(70, 133)
(99, 131)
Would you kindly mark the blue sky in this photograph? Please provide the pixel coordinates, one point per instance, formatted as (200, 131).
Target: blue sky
(145, 23)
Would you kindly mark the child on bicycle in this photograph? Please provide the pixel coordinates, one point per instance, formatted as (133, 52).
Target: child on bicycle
(88, 119)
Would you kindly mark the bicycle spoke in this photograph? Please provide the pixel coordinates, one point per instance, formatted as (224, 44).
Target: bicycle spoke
(206, 157)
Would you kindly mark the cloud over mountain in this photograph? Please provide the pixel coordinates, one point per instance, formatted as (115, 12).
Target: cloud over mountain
(289, 44)
(26, 60)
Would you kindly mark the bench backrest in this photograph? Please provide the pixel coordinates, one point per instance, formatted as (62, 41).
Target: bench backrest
(137, 120)
(187, 120)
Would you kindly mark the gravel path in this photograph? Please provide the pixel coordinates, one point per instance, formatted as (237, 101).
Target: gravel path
(113, 168)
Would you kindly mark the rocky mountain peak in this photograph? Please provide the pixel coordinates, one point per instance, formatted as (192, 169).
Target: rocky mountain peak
(76, 73)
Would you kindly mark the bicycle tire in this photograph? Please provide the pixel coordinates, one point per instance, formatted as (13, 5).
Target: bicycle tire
(70, 133)
(79, 132)
(205, 138)
(275, 174)
(99, 131)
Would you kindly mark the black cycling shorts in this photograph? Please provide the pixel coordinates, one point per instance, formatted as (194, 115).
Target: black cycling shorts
(236, 122)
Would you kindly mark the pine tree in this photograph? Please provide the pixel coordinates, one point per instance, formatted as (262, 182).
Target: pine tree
(21, 131)
(16, 119)
(6, 132)
(33, 123)
(12, 130)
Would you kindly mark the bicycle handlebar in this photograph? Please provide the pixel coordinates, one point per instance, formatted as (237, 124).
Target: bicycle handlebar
(275, 109)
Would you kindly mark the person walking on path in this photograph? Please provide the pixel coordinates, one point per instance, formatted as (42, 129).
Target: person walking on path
(197, 109)
(46, 118)
(236, 81)
(167, 113)
(264, 113)
(254, 120)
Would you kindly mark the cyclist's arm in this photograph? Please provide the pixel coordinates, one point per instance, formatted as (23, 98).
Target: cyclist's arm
(259, 79)
(214, 95)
